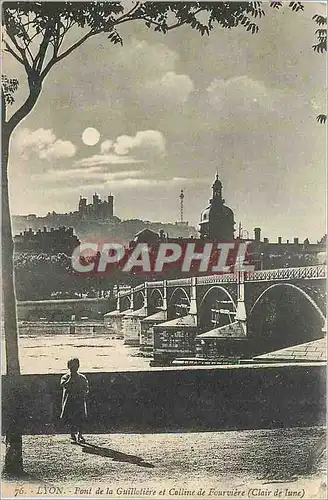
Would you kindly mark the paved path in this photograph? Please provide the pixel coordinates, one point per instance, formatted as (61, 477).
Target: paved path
(236, 464)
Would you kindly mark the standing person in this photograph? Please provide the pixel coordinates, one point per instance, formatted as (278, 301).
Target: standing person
(74, 409)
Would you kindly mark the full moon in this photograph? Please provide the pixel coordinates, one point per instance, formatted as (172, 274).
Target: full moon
(90, 136)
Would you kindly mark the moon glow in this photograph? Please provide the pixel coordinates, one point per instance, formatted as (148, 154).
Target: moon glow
(90, 136)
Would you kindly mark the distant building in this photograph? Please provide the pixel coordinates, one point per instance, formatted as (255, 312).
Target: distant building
(269, 255)
(217, 225)
(97, 219)
(217, 220)
(153, 238)
(62, 240)
(97, 209)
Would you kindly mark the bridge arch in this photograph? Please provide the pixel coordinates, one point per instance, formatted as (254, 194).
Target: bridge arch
(155, 299)
(307, 296)
(216, 308)
(156, 291)
(283, 315)
(181, 303)
(138, 299)
(219, 288)
(125, 302)
(177, 291)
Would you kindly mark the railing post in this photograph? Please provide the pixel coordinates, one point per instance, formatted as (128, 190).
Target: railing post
(118, 301)
(132, 298)
(164, 295)
(193, 299)
(146, 297)
(241, 309)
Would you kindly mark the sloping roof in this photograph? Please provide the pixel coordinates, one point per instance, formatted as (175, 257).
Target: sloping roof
(189, 320)
(139, 312)
(160, 315)
(146, 231)
(146, 234)
(233, 330)
(310, 351)
(116, 312)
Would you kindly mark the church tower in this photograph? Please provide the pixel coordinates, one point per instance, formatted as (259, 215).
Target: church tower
(217, 220)
(217, 189)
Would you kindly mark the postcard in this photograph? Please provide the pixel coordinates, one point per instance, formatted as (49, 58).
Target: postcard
(164, 250)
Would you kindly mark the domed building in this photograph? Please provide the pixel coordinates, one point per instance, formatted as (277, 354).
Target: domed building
(217, 220)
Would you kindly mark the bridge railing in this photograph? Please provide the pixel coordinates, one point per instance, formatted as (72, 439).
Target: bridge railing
(287, 273)
(179, 282)
(155, 284)
(217, 278)
(126, 293)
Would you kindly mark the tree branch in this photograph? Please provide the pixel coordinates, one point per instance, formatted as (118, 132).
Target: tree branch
(128, 14)
(40, 57)
(21, 51)
(56, 39)
(27, 48)
(176, 25)
(54, 60)
(39, 60)
(13, 53)
(24, 110)
(77, 44)
(27, 39)
(180, 23)
(141, 18)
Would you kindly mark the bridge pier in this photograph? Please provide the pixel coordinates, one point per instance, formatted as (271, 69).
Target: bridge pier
(131, 324)
(148, 323)
(176, 338)
(228, 341)
(113, 320)
(241, 316)
(193, 310)
(147, 330)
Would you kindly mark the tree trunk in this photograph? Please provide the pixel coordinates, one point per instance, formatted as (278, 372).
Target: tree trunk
(13, 460)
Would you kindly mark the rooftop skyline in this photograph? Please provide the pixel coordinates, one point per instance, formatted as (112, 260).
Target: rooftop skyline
(171, 111)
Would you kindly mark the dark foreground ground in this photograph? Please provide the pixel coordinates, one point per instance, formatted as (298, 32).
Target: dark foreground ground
(279, 463)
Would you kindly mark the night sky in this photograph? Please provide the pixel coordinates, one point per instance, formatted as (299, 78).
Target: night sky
(171, 111)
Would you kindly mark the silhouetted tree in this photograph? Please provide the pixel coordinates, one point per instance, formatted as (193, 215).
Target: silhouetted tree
(320, 47)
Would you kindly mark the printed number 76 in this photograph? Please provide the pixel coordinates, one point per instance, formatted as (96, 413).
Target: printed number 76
(19, 491)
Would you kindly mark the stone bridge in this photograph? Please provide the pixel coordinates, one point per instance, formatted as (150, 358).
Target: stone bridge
(255, 312)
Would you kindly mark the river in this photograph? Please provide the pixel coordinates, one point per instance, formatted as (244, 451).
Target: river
(43, 351)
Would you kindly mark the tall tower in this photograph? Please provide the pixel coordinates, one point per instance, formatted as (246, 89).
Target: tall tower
(217, 189)
(217, 220)
(181, 205)
(95, 199)
(82, 206)
(110, 201)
